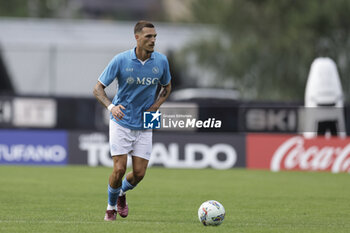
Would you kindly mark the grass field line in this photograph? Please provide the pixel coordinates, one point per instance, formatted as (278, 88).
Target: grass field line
(76, 222)
(61, 222)
(152, 222)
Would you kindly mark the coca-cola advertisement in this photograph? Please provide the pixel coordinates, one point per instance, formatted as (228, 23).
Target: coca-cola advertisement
(295, 152)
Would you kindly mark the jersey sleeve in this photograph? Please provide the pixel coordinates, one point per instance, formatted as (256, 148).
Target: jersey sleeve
(166, 77)
(110, 72)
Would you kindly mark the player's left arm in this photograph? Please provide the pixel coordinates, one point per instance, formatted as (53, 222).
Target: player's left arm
(163, 95)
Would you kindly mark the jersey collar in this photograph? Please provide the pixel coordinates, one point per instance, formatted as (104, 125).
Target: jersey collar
(133, 54)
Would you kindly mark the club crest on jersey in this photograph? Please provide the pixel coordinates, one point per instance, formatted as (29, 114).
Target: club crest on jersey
(155, 70)
(130, 80)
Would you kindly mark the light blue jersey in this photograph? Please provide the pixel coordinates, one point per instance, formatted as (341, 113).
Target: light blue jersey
(137, 84)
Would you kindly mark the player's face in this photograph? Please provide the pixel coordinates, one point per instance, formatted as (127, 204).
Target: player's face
(146, 39)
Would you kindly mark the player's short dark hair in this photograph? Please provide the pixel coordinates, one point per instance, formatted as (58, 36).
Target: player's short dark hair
(142, 24)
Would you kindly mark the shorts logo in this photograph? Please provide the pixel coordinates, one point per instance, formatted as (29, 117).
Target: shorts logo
(155, 70)
(130, 80)
(151, 120)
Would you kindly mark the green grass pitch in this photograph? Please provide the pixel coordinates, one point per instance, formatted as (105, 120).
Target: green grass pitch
(74, 198)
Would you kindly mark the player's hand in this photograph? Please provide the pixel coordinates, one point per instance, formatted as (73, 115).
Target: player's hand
(117, 112)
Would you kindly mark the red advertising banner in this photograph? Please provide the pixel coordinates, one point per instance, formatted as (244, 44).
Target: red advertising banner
(294, 152)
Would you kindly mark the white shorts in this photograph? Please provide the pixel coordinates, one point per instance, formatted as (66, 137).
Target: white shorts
(127, 141)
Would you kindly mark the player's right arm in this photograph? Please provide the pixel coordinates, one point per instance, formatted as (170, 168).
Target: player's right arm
(106, 78)
(101, 96)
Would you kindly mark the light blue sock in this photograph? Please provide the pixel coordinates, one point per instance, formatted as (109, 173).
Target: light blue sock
(126, 185)
(113, 195)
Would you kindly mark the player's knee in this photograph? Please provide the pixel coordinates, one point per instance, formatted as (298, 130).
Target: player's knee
(138, 175)
(119, 171)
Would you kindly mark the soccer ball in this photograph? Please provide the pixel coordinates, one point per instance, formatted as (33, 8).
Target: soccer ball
(211, 213)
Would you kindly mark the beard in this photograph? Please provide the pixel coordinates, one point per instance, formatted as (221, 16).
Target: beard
(150, 50)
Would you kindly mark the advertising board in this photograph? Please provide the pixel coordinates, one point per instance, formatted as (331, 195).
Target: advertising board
(173, 150)
(33, 147)
(294, 152)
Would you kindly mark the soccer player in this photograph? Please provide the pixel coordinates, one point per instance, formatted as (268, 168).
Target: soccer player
(138, 71)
